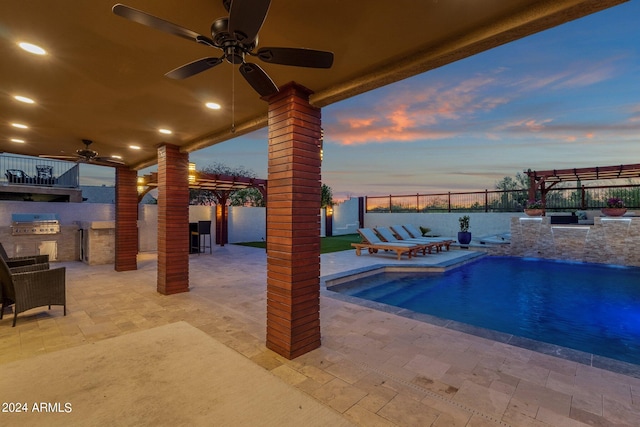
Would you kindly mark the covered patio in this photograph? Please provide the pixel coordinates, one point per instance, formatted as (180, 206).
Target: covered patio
(373, 368)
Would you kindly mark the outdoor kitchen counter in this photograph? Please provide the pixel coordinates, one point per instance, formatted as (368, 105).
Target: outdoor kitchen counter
(98, 242)
(62, 246)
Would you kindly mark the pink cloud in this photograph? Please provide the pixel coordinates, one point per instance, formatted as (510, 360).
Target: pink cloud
(415, 113)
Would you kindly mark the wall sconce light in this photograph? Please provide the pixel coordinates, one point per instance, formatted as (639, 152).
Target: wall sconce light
(192, 173)
(141, 184)
(329, 210)
(321, 144)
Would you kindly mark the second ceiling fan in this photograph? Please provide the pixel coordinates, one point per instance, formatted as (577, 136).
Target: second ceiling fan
(237, 37)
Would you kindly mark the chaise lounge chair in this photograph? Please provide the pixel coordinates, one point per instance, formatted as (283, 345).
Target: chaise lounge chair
(373, 244)
(390, 237)
(415, 233)
(403, 235)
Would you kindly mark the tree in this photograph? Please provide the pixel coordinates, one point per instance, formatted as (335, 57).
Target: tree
(515, 192)
(326, 196)
(248, 196)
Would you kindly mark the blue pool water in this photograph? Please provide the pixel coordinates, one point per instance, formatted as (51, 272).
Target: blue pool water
(587, 307)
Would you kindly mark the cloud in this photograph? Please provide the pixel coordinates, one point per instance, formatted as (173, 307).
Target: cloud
(413, 112)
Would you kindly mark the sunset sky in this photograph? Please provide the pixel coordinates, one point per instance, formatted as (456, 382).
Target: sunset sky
(567, 97)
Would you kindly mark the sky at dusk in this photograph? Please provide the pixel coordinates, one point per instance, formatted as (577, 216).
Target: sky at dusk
(567, 97)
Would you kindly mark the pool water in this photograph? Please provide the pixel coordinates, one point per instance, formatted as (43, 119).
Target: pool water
(588, 307)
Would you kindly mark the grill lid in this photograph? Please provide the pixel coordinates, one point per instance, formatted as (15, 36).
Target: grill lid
(34, 218)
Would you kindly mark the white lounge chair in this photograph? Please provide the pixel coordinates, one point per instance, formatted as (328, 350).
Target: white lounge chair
(373, 244)
(411, 232)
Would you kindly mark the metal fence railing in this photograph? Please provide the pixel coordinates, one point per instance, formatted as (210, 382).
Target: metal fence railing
(17, 170)
(557, 199)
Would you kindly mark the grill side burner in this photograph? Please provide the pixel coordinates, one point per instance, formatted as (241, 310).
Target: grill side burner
(28, 224)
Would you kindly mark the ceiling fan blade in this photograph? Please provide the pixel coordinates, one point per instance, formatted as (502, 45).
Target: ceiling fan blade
(258, 79)
(69, 158)
(110, 161)
(193, 68)
(296, 56)
(246, 18)
(159, 24)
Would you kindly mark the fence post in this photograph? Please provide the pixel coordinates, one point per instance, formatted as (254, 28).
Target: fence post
(449, 202)
(584, 199)
(486, 200)
(417, 202)
(390, 204)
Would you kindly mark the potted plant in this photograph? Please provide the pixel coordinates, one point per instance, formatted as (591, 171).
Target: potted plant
(464, 236)
(534, 208)
(615, 207)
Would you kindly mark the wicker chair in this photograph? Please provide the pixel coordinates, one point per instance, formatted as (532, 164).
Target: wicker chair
(22, 260)
(31, 286)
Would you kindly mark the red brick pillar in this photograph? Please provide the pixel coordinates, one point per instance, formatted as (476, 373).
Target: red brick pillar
(173, 220)
(293, 223)
(126, 219)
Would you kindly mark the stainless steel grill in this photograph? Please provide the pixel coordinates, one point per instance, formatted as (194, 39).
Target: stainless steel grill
(25, 224)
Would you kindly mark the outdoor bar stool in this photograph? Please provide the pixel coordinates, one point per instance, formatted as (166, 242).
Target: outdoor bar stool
(204, 230)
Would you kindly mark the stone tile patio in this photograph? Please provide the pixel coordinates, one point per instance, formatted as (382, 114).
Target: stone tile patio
(374, 367)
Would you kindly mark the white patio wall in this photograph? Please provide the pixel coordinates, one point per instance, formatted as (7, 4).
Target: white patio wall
(446, 224)
(68, 213)
(248, 224)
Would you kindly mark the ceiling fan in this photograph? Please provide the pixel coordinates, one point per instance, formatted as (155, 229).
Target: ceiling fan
(87, 155)
(237, 37)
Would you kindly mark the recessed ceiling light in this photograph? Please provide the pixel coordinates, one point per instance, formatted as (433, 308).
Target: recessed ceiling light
(165, 131)
(134, 147)
(213, 105)
(19, 126)
(115, 156)
(32, 48)
(24, 99)
(19, 141)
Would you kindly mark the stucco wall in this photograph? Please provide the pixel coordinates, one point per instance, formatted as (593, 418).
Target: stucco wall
(446, 224)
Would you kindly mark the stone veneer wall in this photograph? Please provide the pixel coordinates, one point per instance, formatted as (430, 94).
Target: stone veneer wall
(99, 243)
(607, 241)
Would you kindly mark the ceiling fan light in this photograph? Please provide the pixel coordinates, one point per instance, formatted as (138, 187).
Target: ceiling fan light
(213, 105)
(32, 48)
(24, 99)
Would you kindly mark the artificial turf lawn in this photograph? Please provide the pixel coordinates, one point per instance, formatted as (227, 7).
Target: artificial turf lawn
(327, 244)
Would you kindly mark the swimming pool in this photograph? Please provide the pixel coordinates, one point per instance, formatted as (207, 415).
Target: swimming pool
(588, 307)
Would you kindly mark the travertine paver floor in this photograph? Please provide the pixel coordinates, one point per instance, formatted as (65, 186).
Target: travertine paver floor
(375, 368)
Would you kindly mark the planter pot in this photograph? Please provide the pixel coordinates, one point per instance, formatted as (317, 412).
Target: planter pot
(534, 212)
(613, 211)
(464, 237)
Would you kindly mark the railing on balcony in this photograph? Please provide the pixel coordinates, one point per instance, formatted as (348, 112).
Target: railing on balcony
(557, 199)
(18, 170)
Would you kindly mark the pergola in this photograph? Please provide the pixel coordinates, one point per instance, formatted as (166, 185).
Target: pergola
(544, 181)
(221, 186)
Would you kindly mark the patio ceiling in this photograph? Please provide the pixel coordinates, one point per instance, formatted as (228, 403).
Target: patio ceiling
(103, 77)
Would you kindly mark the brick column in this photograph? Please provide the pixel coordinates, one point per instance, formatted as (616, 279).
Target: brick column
(293, 223)
(173, 220)
(126, 219)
